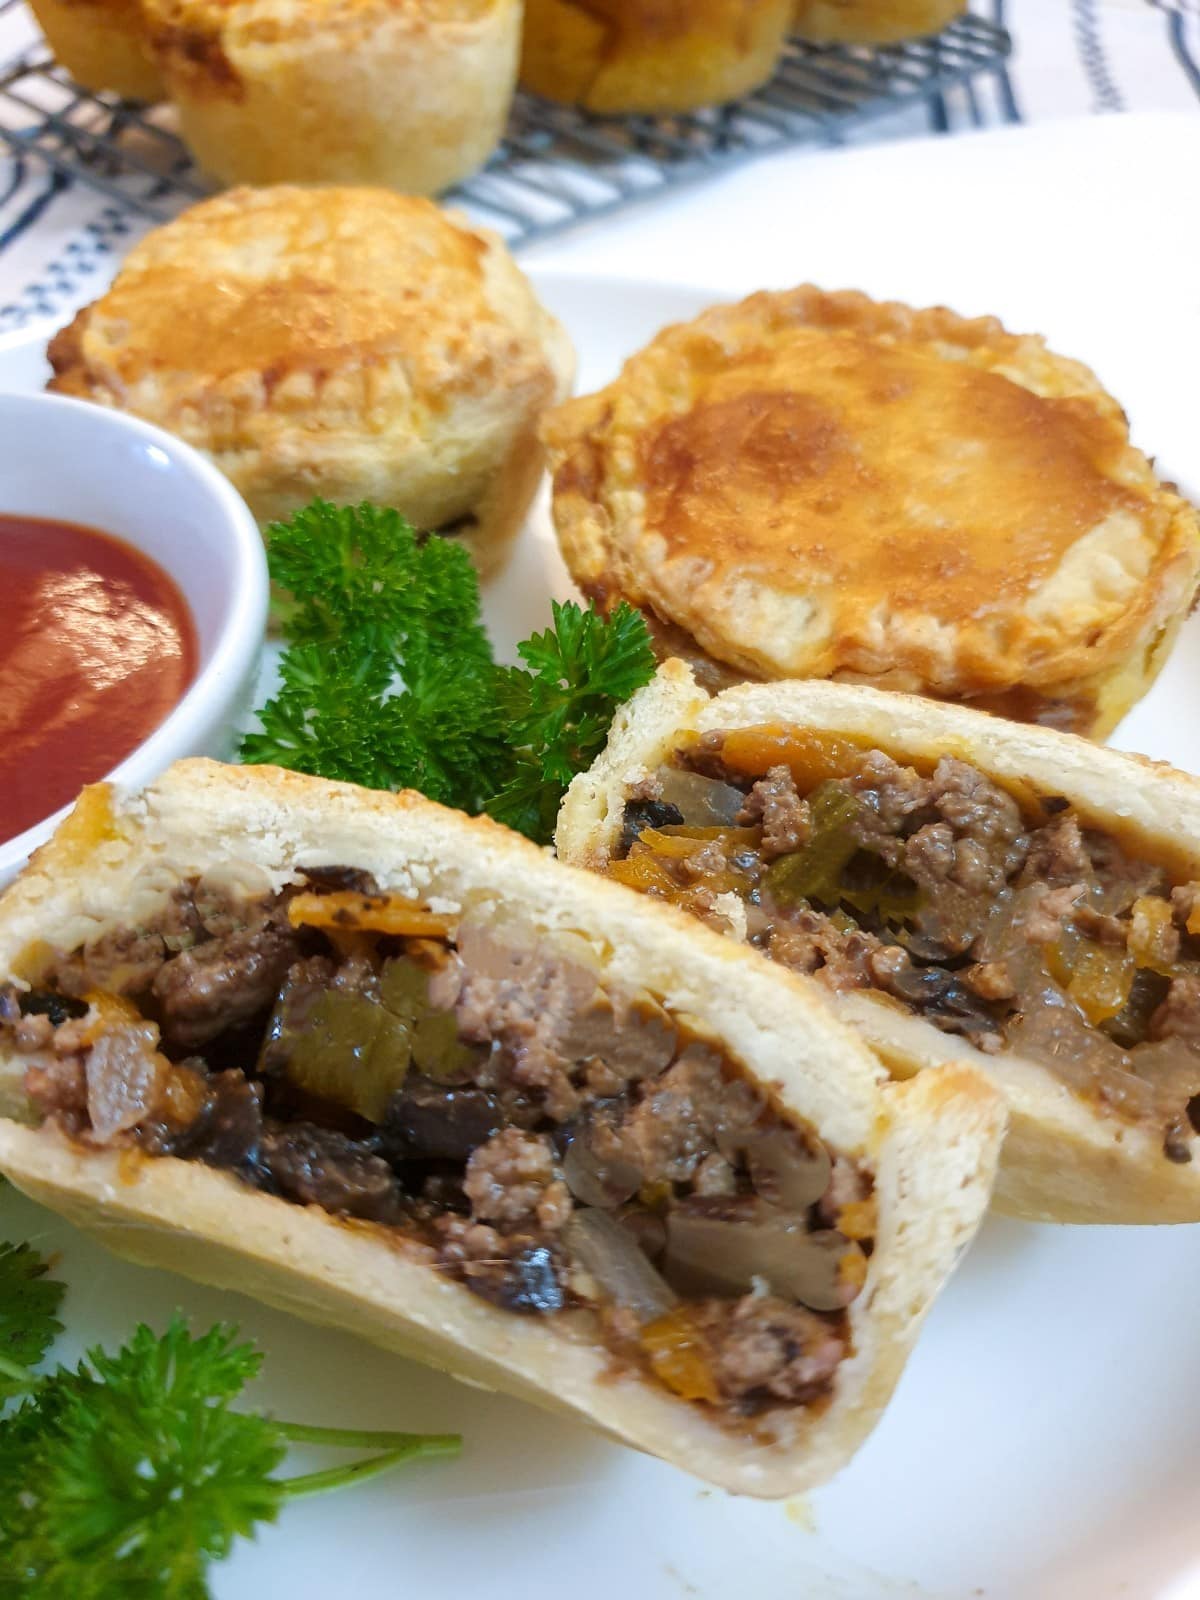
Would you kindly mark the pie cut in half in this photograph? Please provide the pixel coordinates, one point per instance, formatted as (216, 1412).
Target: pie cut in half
(961, 886)
(402, 1072)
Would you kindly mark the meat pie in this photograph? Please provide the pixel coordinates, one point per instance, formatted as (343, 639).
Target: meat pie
(963, 887)
(401, 1071)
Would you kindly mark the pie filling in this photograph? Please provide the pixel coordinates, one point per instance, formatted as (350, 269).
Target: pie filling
(1011, 923)
(559, 1146)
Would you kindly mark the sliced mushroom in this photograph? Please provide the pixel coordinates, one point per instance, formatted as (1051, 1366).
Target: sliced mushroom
(723, 1247)
(606, 1179)
(784, 1168)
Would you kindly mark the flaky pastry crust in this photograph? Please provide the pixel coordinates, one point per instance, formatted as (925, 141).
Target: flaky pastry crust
(102, 44)
(349, 343)
(819, 485)
(872, 21)
(650, 55)
(413, 94)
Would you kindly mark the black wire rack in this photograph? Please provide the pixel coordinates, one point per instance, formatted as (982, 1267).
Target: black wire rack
(556, 166)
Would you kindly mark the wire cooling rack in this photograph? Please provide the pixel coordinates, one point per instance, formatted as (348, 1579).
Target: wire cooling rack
(556, 166)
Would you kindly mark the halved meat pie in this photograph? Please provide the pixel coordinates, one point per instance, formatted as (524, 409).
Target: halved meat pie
(961, 886)
(402, 1071)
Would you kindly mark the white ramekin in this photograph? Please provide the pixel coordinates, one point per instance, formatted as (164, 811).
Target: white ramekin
(72, 461)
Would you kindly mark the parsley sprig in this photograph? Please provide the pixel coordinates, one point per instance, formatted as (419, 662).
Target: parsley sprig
(29, 1302)
(558, 712)
(129, 1474)
(388, 678)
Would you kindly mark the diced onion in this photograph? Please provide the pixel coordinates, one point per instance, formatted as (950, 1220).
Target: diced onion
(703, 801)
(604, 1249)
(708, 1252)
(1053, 1030)
(1172, 1066)
(126, 1077)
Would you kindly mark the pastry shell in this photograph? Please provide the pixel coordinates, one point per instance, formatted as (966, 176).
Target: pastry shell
(932, 1143)
(809, 484)
(348, 343)
(1064, 1159)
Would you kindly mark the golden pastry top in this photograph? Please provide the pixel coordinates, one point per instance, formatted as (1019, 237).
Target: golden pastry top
(815, 484)
(872, 21)
(651, 22)
(200, 42)
(655, 56)
(340, 305)
(888, 476)
(272, 21)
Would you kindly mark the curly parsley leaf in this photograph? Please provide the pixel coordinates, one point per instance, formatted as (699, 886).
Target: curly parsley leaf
(585, 663)
(560, 709)
(388, 678)
(526, 802)
(362, 573)
(29, 1302)
(129, 1475)
(136, 1472)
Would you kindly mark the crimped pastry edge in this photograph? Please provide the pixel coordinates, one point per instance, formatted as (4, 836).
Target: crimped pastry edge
(1103, 670)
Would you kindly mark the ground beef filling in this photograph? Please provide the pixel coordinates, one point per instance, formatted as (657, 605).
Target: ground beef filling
(549, 1142)
(1018, 931)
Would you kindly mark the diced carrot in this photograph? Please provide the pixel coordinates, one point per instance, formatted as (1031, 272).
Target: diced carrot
(674, 847)
(738, 838)
(812, 754)
(644, 872)
(680, 1356)
(348, 911)
(852, 1272)
(107, 1011)
(859, 1219)
(1101, 981)
(183, 1097)
(1151, 934)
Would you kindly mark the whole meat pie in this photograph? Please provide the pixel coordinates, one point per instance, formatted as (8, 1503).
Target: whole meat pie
(344, 342)
(816, 485)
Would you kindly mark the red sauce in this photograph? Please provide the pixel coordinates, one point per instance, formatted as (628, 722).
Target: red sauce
(97, 646)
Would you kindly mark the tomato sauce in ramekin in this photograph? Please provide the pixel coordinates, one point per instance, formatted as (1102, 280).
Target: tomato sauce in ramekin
(97, 647)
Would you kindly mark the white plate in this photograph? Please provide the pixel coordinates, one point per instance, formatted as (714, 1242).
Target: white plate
(1042, 1444)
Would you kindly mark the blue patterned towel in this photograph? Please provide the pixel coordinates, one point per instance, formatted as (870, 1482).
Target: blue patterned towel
(58, 241)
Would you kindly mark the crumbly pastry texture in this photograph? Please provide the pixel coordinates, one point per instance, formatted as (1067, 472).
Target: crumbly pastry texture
(811, 484)
(349, 343)
(650, 55)
(932, 1143)
(409, 93)
(1062, 1161)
